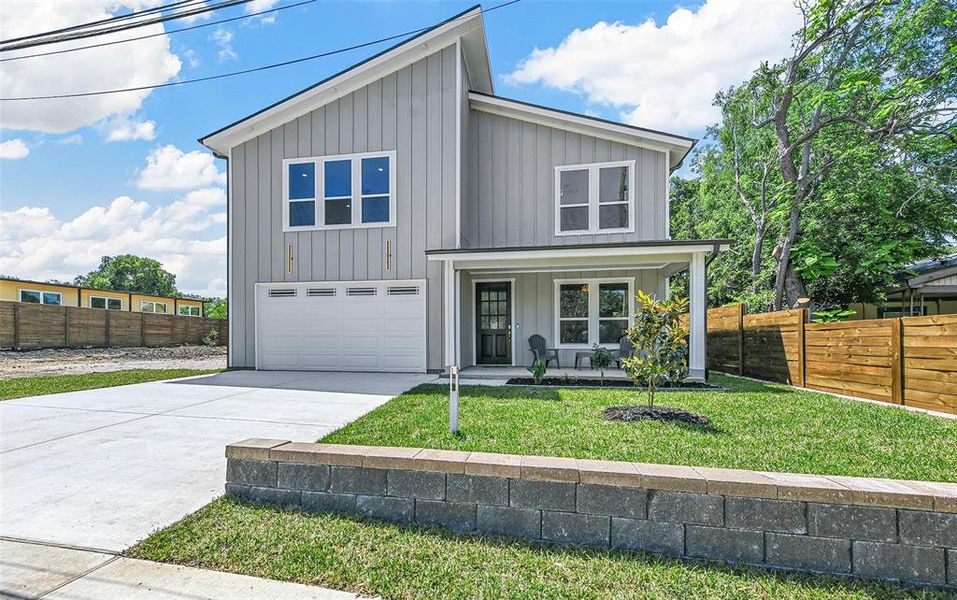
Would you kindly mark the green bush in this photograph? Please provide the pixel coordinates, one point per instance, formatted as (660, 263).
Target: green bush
(661, 347)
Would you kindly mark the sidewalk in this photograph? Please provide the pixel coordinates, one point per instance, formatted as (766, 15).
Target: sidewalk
(30, 570)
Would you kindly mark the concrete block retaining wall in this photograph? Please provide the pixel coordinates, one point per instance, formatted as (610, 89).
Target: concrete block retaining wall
(873, 528)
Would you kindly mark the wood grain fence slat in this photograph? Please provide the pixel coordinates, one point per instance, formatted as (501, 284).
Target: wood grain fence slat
(33, 326)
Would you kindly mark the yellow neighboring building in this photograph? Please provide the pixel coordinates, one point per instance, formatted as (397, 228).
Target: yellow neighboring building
(35, 292)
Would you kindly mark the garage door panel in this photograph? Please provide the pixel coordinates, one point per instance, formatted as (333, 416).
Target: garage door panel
(359, 326)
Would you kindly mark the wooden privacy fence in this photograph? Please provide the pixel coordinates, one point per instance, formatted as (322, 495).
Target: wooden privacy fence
(32, 326)
(910, 361)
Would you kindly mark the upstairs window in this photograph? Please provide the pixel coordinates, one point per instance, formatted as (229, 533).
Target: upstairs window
(339, 192)
(595, 198)
(38, 297)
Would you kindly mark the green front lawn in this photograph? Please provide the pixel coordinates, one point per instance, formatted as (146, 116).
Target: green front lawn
(37, 386)
(396, 561)
(754, 426)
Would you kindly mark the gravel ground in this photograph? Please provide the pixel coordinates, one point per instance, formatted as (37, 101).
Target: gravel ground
(66, 361)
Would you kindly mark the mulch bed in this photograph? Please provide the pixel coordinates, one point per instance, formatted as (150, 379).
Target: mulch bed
(654, 413)
(609, 383)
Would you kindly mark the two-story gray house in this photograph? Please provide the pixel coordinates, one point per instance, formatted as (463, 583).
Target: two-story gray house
(399, 216)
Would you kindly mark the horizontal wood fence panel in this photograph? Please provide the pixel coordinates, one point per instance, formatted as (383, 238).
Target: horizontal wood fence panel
(910, 361)
(32, 326)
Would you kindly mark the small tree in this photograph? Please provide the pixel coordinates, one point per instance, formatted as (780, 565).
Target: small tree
(601, 360)
(212, 338)
(538, 370)
(661, 350)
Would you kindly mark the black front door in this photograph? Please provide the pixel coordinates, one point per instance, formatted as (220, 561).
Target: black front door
(493, 311)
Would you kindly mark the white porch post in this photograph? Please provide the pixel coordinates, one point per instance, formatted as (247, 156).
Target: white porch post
(449, 300)
(699, 301)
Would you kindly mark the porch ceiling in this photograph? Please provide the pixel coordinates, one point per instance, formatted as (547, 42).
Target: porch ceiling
(671, 255)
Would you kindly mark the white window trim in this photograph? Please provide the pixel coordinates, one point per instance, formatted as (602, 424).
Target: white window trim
(189, 310)
(593, 204)
(155, 304)
(319, 181)
(593, 303)
(41, 292)
(106, 301)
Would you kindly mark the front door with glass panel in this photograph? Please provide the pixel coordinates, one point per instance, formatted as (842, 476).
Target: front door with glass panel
(493, 311)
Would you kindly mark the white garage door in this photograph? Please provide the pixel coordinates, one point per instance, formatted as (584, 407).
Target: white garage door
(341, 326)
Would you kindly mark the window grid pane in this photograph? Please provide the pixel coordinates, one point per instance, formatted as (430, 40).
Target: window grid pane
(302, 181)
(51, 298)
(97, 302)
(338, 178)
(375, 176)
(375, 209)
(613, 184)
(613, 216)
(302, 214)
(573, 331)
(573, 301)
(574, 187)
(338, 212)
(114, 304)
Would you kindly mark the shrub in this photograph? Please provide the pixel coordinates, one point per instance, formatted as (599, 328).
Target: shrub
(538, 370)
(601, 359)
(661, 347)
(212, 338)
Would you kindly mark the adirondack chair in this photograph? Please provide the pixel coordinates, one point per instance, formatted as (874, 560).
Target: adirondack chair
(625, 350)
(536, 344)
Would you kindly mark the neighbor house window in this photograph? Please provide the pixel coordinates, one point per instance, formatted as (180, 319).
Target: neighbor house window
(595, 198)
(153, 307)
(38, 297)
(189, 311)
(106, 303)
(339, 192)
(592, 311)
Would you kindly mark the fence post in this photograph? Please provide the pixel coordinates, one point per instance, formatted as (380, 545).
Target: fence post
(897, 360)
(16, 325)
(142, 328)
(106, 342)
(802, 353)
(66, 326)
(741, 338)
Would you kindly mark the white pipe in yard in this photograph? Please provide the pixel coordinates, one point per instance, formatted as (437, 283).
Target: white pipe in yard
(454, 399)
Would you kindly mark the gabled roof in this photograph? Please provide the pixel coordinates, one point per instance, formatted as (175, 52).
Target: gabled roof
(466, 26)
(677, 146)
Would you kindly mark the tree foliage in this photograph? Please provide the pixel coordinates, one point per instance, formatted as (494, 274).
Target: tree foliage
(661, 347)
(129, 273)
(836, 166)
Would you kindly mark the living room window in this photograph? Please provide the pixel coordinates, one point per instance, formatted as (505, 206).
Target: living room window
(339, 192)
(592, 311)
(595, 198)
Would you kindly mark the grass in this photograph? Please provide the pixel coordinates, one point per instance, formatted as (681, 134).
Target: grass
(754, 426)
(399, 562)
(22, 387)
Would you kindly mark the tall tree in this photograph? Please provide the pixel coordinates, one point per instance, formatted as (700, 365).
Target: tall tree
(130, 273)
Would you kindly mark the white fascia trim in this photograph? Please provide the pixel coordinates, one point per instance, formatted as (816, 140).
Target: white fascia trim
(347, 82)
(459, 58)
(675, 147)
(573, 252)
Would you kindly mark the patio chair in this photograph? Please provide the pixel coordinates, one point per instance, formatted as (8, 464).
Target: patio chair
(536, 344)
(625, 350)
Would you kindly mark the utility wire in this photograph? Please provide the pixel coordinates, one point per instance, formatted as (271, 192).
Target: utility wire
(170, 32)
(161, 19)
(101, 21)
(254, 69)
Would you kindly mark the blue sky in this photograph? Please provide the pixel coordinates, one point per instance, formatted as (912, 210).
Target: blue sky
(61, 179)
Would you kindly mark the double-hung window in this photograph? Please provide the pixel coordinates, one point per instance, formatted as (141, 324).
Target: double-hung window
(106, 303)
(595, 198)
(189, 311)
(339, 192)
(592, 311)
(38, 297)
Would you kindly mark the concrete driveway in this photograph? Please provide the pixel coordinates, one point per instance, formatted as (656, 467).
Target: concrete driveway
(102, 469)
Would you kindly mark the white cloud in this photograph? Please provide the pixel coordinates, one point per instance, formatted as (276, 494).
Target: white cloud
(13, 149)
(666, 76)
(224, 39)
(69, 140)
(143, 62)
(260, 5)
(187, 236)
(123, 128)
(169, 168)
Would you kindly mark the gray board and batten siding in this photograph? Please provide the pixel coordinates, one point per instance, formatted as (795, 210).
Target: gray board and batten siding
(411, 111)
(507, 194)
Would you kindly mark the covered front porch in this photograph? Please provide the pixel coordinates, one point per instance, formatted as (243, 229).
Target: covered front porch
(496, 299)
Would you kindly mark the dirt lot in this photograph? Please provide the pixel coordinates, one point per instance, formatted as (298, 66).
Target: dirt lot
(64, 361)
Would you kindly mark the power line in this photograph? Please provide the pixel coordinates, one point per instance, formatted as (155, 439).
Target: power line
(101, 21)
(121, 28)
(251, 70)
(170, 32)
